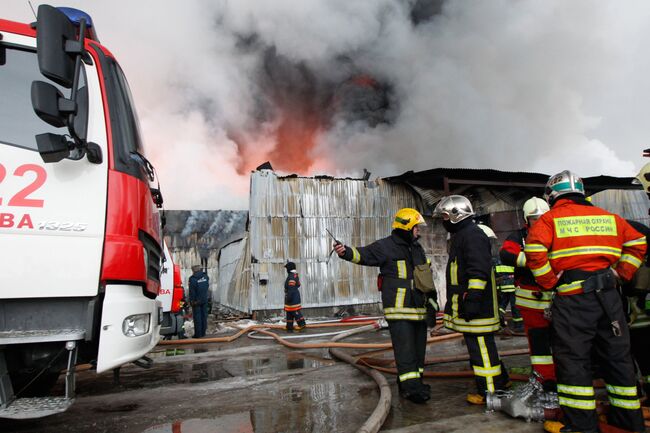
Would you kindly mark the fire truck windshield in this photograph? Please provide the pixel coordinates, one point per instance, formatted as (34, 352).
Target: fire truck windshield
(18, 123)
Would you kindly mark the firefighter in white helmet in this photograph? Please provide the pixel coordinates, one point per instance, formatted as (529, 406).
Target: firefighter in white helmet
(531, 299)
(471, 294)
(406, 285)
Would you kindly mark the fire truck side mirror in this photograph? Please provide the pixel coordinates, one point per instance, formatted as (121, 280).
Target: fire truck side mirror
(49, 104)
(54, 31)
(52, 147)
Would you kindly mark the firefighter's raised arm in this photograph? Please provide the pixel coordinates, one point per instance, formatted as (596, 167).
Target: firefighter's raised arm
(370, 255)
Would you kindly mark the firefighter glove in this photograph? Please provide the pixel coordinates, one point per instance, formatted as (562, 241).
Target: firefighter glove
(472, 304)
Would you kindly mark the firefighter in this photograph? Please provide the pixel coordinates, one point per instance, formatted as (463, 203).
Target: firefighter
(292, 299)
(401, 260)
(505, 282)
(580, 251)
(199, 288)
(637, 299)
(471, 294)
(531, 299)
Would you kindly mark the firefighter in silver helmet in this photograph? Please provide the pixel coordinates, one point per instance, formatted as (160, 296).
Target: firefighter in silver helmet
(471, 294)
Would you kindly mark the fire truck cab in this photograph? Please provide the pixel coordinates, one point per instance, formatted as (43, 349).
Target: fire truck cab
(80, 230)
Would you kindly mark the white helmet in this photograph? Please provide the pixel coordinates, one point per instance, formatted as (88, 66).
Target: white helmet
(563, 183)
(534, 207)
(488, 231)
(456, 207)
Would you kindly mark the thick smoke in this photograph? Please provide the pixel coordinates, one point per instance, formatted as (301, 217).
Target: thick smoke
(335, 86)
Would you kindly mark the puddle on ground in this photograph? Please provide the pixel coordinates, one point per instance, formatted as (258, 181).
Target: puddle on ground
(258, 366)
(317, 408)
(233, 423)
(192, 370)
(176, 352)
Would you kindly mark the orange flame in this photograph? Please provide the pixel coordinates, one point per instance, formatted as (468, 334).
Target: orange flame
(295, 138)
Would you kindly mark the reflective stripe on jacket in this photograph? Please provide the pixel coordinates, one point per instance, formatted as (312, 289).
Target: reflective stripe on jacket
(528, 294)
(504, 276)
(291, 292)
(580, 236)
(470, 268)
(396, 259)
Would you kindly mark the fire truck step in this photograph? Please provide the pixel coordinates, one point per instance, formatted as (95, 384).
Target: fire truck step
(36, 407)
(40, 336)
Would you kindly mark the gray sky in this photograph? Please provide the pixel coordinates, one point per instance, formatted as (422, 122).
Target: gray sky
(506, 84)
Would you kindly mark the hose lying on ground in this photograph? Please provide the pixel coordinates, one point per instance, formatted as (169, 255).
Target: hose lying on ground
(243, 331)
(378, 416)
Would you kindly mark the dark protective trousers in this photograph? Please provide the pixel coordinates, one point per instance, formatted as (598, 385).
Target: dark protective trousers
(640, 341)
(489, 372)
(409, 338)
(200, 313)
(295, 316)
(579, 325)
(538, 331)
(508, 298)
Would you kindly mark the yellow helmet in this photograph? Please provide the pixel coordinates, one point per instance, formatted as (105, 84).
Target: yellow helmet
(407, 218)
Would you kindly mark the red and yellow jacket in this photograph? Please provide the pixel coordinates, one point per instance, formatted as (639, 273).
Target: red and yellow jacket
(580, 236)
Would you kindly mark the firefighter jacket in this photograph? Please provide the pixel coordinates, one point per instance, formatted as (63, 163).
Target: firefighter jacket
(504, 276)
(199, 285)
(469, 269)
(396, 258)
(292, 292)
(580, 239)
(529, 294)
(637, 291)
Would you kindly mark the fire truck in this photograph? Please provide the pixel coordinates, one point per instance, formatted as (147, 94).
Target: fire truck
(80, 226)
(171, 296)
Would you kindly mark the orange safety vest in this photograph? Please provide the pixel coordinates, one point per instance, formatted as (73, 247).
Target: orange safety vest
(587, 238)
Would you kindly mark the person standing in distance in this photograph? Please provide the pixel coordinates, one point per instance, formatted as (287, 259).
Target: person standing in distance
(199, 287)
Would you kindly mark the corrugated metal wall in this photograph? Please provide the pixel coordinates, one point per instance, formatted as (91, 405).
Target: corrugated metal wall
(234, 275)
(288, 218)
(628, 204)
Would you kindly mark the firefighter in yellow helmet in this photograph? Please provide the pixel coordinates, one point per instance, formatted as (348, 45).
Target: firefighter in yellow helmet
(406, 286)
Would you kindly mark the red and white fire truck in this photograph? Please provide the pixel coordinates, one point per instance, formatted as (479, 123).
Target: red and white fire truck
(80, 230)
(171, 296)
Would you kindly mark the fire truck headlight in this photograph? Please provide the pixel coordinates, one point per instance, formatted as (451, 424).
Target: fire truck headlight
(136, 325)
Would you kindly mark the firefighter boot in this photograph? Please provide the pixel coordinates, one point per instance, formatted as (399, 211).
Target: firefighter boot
(558, 427)
(416, 396)
(477, 399)
(426, 390)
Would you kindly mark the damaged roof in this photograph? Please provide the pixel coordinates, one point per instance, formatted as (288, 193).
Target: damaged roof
(444, 178)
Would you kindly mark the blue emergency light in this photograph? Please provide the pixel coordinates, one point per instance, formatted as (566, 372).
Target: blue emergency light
(75, 16)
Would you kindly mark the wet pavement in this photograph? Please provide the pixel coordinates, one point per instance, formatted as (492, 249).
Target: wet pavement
(262, 387)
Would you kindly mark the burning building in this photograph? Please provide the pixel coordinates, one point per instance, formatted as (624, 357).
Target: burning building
(289, 216)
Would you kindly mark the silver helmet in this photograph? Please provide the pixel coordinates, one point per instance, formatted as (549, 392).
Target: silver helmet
(561, 184)
(456, 207)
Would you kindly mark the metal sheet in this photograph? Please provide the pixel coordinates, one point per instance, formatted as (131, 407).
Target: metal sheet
(288, 218)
